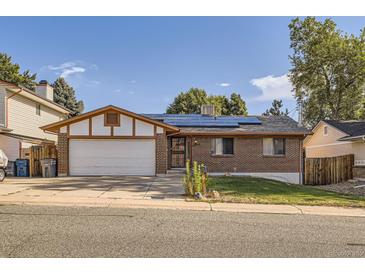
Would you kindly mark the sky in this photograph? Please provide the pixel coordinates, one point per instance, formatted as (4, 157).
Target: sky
(142, 63)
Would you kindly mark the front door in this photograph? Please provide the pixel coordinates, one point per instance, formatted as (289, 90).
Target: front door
(177, 152)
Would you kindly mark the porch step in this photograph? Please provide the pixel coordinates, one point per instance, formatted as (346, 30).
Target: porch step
(176, 171)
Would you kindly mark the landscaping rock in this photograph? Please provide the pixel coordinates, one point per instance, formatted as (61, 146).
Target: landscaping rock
(213, 194)
(198, 196)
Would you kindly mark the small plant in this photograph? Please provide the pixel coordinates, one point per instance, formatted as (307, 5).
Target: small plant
(197, 177)
(196, 182)
(188, 183)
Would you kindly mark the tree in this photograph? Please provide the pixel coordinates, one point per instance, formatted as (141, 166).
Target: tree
(328, 70)
(188, 102)
(221, 104)
(191, 101)
(236, 105)
(64, 95)
(10, 72)
(275, 109)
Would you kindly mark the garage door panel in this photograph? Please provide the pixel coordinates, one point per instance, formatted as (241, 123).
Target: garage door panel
(112, 157)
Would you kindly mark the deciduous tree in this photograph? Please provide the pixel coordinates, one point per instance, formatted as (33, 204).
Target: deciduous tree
(328, 70)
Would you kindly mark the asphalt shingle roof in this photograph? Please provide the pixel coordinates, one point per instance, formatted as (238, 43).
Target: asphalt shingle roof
(352, 128)
(261, 124)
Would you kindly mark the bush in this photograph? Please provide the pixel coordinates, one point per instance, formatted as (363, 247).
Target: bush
(188, 183)
(197, 182)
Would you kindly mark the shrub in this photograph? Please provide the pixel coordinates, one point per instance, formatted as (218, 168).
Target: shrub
(188, 183)
(197, 182)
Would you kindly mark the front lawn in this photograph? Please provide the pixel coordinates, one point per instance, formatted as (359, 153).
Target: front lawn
(265, 191)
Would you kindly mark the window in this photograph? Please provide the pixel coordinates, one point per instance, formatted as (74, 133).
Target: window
(38, 109)
(112, 119)
(273, 146)
(325, 130)
(222, 146)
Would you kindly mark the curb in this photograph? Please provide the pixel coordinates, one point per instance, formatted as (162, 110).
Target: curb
(199, 206)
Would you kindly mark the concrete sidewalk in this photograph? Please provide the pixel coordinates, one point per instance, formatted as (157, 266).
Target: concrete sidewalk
(182, 205)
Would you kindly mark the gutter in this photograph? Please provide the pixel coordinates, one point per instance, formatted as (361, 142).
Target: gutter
(354, 138)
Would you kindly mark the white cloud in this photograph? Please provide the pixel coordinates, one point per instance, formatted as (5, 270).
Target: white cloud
(224, 84)
(72, 67)
(132, 81)
(273, 87)
(66, 69)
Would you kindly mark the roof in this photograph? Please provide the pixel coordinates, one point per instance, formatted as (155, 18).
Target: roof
(352, 128)
(55, 126)
(235, 125)
(31, 93)
(199, 120)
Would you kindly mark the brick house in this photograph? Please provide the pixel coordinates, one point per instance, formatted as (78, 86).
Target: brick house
(115, 141)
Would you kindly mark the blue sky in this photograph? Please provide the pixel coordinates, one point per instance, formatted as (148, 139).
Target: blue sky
(141, 63)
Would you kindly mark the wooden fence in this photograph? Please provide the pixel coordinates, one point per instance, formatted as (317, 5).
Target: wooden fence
(38, 153)
(326, 171)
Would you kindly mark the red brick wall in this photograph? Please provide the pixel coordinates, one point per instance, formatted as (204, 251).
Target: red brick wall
(161, 154)
(62, 148)
(248, 156)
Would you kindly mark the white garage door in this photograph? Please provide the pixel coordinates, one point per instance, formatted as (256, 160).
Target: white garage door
(112, 157)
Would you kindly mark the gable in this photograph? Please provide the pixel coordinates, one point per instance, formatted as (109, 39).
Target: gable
(319, 138)
(95, 123)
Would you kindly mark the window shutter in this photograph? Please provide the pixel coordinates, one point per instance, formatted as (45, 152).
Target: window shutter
(219, 146)
(268, 147)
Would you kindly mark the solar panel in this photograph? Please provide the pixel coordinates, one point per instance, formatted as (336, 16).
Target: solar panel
(198, 120)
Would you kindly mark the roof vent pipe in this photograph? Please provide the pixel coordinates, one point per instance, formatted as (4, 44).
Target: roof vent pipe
(300, 113)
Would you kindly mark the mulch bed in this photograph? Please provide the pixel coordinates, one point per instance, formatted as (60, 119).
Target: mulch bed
(346, 188)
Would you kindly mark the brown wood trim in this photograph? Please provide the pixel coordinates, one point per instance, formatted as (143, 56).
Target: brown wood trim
(102, 110)
(68, 131)
(243, 134)
(110, 137)
(90, 127)
(222, 135)
(154, 130)
(134, 127)
(112, 131)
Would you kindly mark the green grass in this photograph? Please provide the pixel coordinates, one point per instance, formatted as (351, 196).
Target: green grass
(265, 191)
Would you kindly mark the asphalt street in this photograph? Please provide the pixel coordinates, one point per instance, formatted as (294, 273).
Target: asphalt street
(41, 231)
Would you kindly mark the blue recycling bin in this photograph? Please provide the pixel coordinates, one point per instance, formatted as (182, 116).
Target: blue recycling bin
(22, 167)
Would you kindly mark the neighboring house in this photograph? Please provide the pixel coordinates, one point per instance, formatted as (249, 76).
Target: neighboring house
(22, 112)
(114, 141)
(334, 138)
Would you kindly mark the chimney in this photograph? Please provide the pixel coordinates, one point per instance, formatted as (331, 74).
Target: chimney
(44, 89)
(207, 110)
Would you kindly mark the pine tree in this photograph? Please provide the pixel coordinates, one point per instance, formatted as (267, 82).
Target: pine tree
(10, 72)
(275, 109)
(237, 105)
(64, 95)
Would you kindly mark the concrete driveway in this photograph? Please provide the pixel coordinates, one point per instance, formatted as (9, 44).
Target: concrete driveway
(92, 188)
